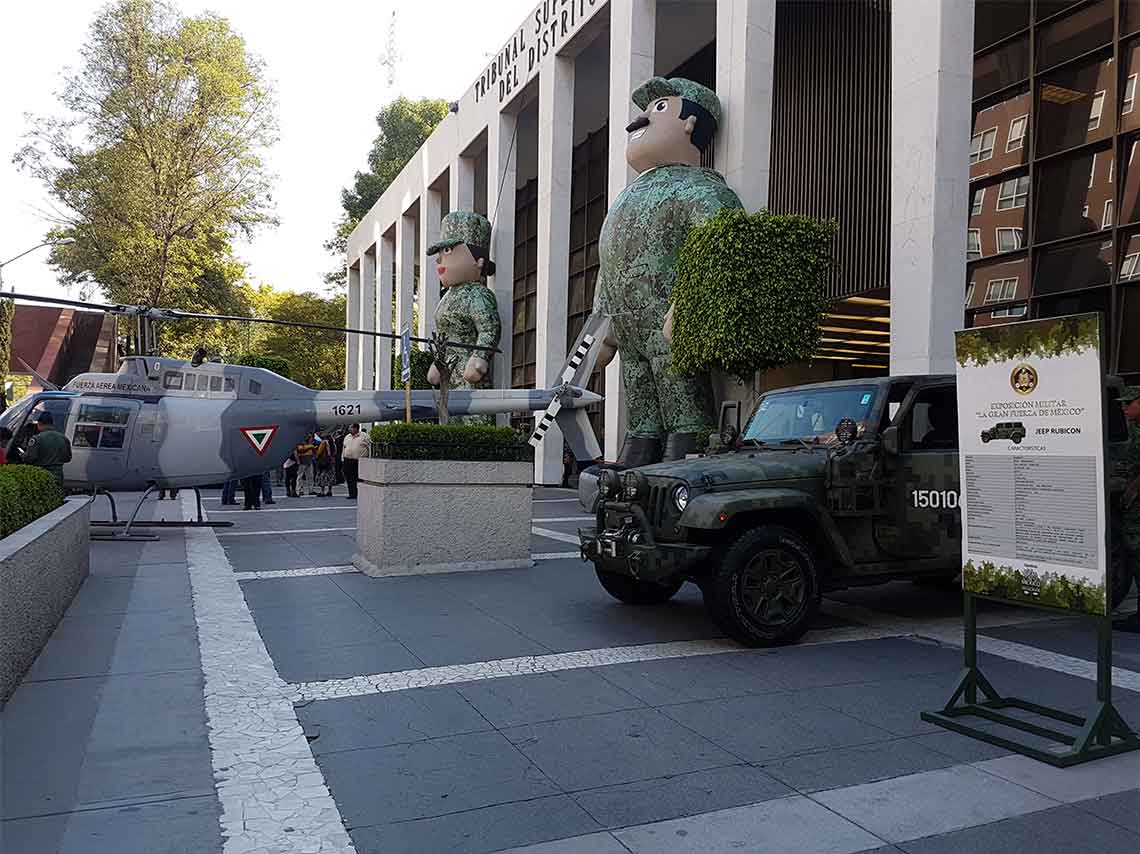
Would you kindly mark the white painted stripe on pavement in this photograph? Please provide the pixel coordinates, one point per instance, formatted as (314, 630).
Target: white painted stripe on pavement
(563, 519)
(272, 793)
(351, 507)
(304, 572)
(554, 555)
(550, 500)
(554, 535)
(281, 532)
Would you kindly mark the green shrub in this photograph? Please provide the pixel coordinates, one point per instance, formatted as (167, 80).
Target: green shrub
(399, 441)
(421, 361)
(276, 364)
(750, 292)
(26, 494)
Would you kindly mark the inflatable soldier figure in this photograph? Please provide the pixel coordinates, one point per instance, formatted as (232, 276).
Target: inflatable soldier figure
(638, 247)
(468, 312)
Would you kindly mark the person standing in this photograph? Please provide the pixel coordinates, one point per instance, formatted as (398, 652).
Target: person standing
(5, 438)
(267, 489)
(251, 491)
(229, 493)
(305, 452)
(291, 474)
(323, 469)
(50, 449)
(355, 447)
(338, 454)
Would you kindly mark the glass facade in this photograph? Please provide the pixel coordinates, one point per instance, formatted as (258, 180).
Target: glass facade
(1054, 221)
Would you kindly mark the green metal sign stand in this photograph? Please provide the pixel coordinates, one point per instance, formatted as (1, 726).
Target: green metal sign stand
(1102, 733)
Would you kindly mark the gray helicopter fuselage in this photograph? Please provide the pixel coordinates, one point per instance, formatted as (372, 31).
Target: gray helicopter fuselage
(175, 424)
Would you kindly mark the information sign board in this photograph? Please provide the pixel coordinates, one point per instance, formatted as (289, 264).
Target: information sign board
(1031, 439)
(406, 354)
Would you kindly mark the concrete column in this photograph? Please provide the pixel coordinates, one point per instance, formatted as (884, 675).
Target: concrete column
(461, 183)
(367, 320)
(386, 254)
(633, 25)
(352, 317)
(405, 270)
(931, 86)
(431, 212)
(501, 167)
(555, 162)
(745, 42)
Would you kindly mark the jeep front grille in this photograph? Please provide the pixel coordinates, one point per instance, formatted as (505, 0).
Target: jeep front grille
(657, 506)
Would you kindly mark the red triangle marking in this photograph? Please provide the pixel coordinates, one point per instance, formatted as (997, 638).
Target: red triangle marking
(260, 437)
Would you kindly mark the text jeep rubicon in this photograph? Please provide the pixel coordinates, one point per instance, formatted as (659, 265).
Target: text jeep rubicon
(1013, 430)
(785, 510)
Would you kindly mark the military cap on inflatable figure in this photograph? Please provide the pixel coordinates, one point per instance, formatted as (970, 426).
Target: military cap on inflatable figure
(467, 312)
(639, 244)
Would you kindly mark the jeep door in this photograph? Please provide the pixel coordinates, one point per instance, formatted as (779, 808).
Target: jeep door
(921, 517)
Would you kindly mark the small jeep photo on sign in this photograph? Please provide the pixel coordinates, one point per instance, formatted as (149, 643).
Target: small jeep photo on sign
(1030, 427)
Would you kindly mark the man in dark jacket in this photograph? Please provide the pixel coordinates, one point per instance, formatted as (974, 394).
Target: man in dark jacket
(50, 449)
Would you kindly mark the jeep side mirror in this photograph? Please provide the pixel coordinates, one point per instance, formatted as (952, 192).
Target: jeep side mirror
(728, 425)
(890, 439)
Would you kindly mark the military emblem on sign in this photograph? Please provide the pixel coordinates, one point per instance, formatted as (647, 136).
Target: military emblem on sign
(1023, 379)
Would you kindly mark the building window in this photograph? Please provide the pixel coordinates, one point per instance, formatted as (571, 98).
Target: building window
(1008, 239)
(1016, 133)
(1096, 110)
(976, 205)
(525, 302)
(1001, 290)
(982, 145)
(973, 244)
(1106, 220)
(1092, 171)
(1012, 311)
(1129, 95)
(1128, 265)
(969, 293)
(1013, 193)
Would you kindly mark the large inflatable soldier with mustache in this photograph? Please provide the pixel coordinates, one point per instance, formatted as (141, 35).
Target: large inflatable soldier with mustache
(639, 244)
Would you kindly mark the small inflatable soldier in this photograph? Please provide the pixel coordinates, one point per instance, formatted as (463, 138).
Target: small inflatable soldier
(639, 244)
(468, 312)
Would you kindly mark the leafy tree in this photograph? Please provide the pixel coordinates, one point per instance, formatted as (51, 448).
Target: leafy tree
(404, 126)
(316, 358)
(7, 309)
(157, 161)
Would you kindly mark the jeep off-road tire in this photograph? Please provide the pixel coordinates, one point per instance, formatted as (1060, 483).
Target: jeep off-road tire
(766, 590)
(634, 592)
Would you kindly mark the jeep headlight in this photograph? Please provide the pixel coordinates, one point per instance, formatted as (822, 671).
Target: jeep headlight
(681, 497)
(634, 485)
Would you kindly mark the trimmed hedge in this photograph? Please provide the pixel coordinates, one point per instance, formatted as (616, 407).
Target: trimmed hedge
(276, 364)
(750, 292)
(460, 442)
(26, 494)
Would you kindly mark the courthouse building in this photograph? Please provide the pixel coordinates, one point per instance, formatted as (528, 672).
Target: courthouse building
(976, 154)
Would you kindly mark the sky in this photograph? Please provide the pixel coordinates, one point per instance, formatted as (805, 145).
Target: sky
(326, 64)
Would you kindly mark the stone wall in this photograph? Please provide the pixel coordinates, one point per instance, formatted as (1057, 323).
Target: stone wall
(420, 516)
(42, 566)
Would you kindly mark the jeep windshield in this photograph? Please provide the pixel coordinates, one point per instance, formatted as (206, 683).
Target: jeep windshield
(808, 415)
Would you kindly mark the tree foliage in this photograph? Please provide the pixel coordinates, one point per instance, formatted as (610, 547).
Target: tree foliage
(7, 309)
(421, 361)
(316, 358)
(750, 292)
(404, 126)
(157, 161)
(276, 364)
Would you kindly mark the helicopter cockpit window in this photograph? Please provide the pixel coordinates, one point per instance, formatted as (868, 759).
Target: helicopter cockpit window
(229, 383)
(254, 387)
(215, 383)
(172, 380)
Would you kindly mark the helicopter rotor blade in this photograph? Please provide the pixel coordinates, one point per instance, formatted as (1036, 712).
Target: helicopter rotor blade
(151, 313)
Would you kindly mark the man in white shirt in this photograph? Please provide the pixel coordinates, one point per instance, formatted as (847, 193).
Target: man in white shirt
(355, 447)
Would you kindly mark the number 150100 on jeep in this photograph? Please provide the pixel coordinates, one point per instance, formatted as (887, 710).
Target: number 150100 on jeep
(828, 486)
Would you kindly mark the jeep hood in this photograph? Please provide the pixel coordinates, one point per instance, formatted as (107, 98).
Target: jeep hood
(747, 466)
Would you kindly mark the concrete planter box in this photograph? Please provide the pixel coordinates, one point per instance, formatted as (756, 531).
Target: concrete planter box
(424, 516)
(42, 566)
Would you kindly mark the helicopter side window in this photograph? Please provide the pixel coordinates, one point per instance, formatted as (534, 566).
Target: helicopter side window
(86, 436)
(229, 383)
(172, 380)
(101, 426)
(112, 437)
(215, 383)
(254, 387)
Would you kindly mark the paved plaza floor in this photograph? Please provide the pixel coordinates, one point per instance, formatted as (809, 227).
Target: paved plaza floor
(245, 690)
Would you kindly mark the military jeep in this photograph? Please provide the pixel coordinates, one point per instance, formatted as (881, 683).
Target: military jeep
(827, 486)
(1013, 430)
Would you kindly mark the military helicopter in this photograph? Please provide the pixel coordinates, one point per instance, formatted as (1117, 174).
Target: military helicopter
(161, 423)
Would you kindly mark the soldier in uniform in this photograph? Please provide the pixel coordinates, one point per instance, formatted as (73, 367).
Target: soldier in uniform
(1130, 502)
(638, 247)
(468, 311)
